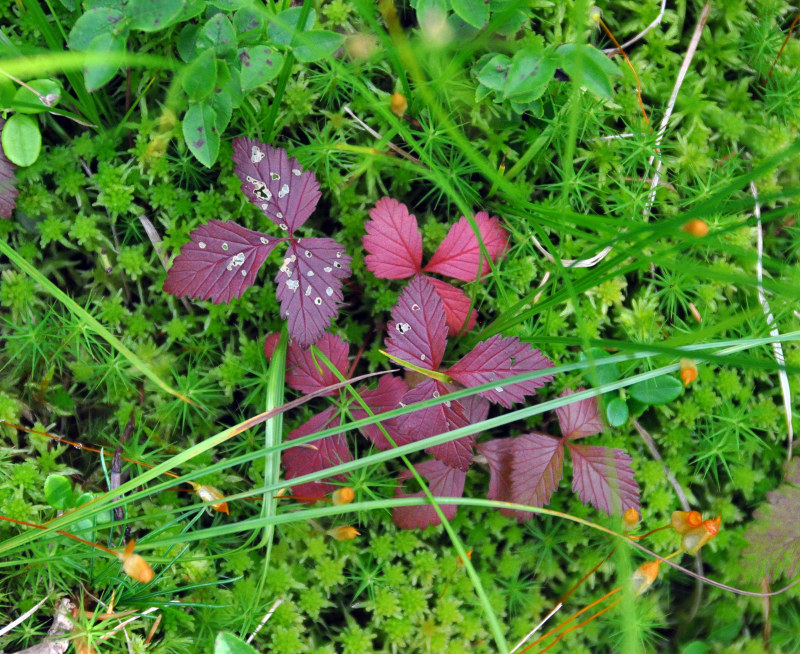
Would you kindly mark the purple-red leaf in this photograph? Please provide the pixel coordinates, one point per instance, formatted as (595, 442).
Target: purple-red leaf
(274, 183)
(603, 477)
(459, 254)
(317, 455)
(306, 374)
(579, 419)
(417, 331)
(500, 358)
(435, 420)
(536, 468)
(393, 241)
(443, 481)
(219, 262)
(385, 397)
(8, 191)
(499, 455)
(456, 307)
(270, 343)
(310, 286)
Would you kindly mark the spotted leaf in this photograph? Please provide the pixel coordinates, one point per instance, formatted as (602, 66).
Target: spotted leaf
(456, 307)
(417, 331)
(443, 481)
(275, 183)
(307, 374)
(579, 419)
(393, 241)
(310, 286)
(219, 262)
(603, 477)
(500, 358)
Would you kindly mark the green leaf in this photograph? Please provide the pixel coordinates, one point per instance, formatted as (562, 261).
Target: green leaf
(26, 101)
(659, 390)
(282, 27)
(200, 133)
(58, 492)
(229, 80)
(599, 375)
(593, 67)
(494, 71)
(514, 20)
(97, 74)
(218, 34)
(199, 77)
(260, 64)
(472, 12)
(187, 42)
(528, 76)
(153, 15)
(21, 139)
(316, 45)
(247, 21)
(616, 412)
(228, 5)
(191, 8)
(94, 22)
(431, 13)
(227, 643)
(222, 105)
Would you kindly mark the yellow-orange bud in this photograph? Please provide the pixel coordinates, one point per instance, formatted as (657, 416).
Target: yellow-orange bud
(209, 493)
(134, 565)
(644, 576)
(630, 518)
(688, 371)
(343, 533)
(685, 521)
(398, 104)
(696, 538)
(343, 495)
(696, 227)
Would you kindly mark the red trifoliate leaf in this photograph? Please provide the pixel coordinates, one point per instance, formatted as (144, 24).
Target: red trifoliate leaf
(499, 455)
(500, 358)
(579, 419)
(603, 477)
(435, 420)
(270, 343)
(219, 262)
(417, 331)
(456, 307)
(310, 286)
(536, 468)
(385, 397)
(306, 374)
(443, 481)
(317, 455)
(8, 191)
(274, 183)
(393, 241)
(459, 254)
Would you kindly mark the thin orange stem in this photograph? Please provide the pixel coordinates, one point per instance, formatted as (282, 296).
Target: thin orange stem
(578, 626)
(652, 531)
(630, 65)
(785, 41)
(63, 533)
(586, 576)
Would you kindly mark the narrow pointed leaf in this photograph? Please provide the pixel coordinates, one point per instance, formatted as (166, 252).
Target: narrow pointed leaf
(579, 419)
(500, 358)
(8, 191)
(275, 183)
(456, 307)
(385, 397)
(417, 331)
(309, 286)
(306, 374)
(536, 469)
(219, 262)
(603, 477)
(459, 254)
(443, 481)
(317, 455)
(393, 241)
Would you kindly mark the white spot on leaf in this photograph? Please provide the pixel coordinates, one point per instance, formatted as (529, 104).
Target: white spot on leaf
(310, 273)
(201, 245)
(329, 291)
(293, 284)
(225, 246)
(264, 241)
(327, 269)
(415, 307)
(296, 172)
(318, 301)
(274, 176)
(402, 327)
(256, 155)
(308, 290)
(284, 227)
(284, 191)
(308, 254)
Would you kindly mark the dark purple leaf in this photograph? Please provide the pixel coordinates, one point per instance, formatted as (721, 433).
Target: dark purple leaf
(219, 262)
(498, 453)
(536, 468)
(603, 477)
(579, 419)
(456, 307)
(385, 397)
(270, 343)
(317, 455)
(417, 331)
(8, 191)
(310, 286)
(500, 358)
(306, 374)
(443, 481)
(393, 241)
(274, 183)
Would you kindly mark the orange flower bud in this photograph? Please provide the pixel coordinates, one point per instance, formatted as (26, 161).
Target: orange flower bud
(694, 539)
(134, 565)
(343, 495)
(688, 371)
(398, 104)
(644, 576)
(460, 561)
(343, 533)
(630, 518)
(695, 313)
(696, 227)
(685, 521)
(209, 493)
